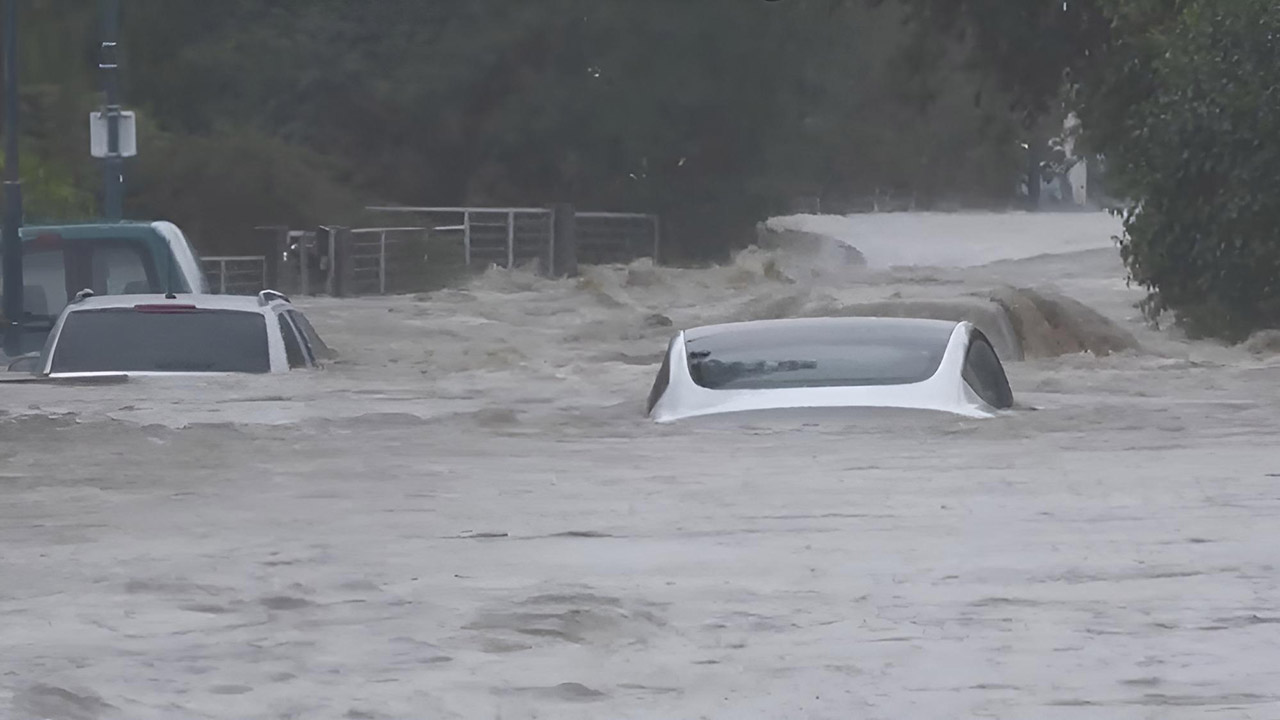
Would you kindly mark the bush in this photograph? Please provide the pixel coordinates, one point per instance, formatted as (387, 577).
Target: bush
(219, 186)
(1201, 153)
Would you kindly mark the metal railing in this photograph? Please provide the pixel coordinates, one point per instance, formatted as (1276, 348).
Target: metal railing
(236, 274)
(340, 261)
(606, 238)
(378, 257)
(302, 261)
(491, 236)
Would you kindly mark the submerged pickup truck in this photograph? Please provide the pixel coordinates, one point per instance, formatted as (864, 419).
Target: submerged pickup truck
(115, 258)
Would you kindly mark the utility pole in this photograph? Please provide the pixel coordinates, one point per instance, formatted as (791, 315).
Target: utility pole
(13, 282)
(113, 185)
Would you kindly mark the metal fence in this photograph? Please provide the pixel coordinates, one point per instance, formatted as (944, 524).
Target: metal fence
(507, 237)
(510, 237)
(340, 261)
(606, 238)
(236, 274)
(344, 261)
(383, 260)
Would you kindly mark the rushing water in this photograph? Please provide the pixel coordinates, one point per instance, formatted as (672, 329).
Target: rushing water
(468, 517)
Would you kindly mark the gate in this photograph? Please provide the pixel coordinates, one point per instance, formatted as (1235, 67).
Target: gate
(607, 238)
(507, 237)
(383, 260)
(236, 274)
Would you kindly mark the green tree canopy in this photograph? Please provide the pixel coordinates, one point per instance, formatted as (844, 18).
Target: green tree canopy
(714, 113)
(1199, 152)
(1179, 98)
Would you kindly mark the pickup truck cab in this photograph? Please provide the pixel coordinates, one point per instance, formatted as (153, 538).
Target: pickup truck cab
(107, 258)
(139, 335)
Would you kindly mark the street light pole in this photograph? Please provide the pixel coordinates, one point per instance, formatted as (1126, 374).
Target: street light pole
(113, 185)
(12, 256)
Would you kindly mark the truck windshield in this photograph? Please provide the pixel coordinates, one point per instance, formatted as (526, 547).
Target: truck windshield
(133, 340)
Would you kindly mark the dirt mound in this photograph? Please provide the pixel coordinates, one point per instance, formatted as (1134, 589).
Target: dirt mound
(986, 316)
(1048, 324)
(1021, 323)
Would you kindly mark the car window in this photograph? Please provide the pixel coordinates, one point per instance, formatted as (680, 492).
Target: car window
(292, 344)
(44, 279)
(309, 335)
(817, 356)
(984, 373)
(119, 269)
(662, 382)
(55, 269)
(132, 340)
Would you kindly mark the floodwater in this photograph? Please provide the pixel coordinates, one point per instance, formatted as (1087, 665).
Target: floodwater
(468, 517)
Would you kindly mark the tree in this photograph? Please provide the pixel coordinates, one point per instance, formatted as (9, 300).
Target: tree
(1178, 96)
(1199, 153)
(711, 113)
(54, 104)
(714, 114)
(1028, 48)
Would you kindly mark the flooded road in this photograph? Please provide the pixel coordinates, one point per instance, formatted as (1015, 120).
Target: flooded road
(467, 517)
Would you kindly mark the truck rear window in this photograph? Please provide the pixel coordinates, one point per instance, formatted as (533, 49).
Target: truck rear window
(109, 266)
(132, 340)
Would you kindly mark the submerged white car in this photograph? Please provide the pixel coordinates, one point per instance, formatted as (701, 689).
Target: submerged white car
(188, 334)
(830, 363)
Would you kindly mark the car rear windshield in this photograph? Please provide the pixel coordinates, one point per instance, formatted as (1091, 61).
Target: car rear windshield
(812, 355)
(133, 340)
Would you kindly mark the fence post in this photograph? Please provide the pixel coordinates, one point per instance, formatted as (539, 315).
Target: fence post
(564, 240)
(222, 277)
(550, 267)
(657, 239)
(511, 239)
(382, 263)
(340, 264)
(304, 269)
(331, 283)
(277, 243)
(466, 237)
(324, 248)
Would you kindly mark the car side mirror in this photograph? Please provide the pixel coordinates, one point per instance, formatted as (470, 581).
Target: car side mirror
(28, 363)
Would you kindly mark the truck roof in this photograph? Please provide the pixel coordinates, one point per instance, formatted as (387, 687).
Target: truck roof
(158, 234)
(81, 230)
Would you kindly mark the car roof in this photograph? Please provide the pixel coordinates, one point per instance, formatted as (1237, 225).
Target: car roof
(91, 229)
(741, 343)
(868, 327)
(246, 303)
